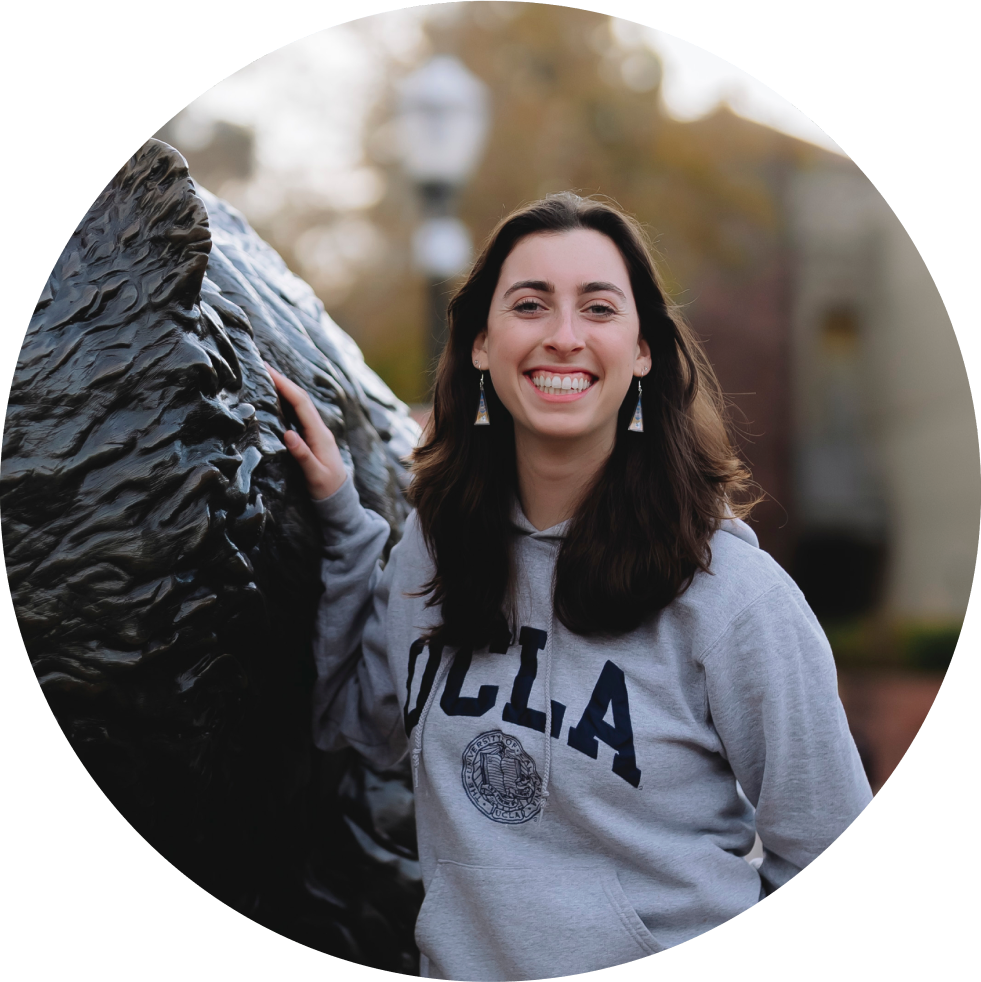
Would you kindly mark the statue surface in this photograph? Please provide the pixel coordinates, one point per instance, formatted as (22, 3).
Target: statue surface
(163, 557)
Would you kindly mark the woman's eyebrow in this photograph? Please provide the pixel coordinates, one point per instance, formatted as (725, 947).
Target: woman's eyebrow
(598, 287)
(541, 285)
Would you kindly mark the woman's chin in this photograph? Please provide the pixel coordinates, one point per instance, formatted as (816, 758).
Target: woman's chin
(561, 428)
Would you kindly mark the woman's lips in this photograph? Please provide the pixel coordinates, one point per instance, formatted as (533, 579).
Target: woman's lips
(558, 386)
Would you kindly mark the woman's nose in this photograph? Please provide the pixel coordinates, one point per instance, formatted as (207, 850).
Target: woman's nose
(563, 338)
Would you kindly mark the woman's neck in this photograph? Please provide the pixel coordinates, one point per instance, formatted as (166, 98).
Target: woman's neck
(552, 474)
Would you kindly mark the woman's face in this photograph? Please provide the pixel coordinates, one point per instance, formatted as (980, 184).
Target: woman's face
(563, 340)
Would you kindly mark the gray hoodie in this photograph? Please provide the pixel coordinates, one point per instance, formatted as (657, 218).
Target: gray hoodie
(581, 803)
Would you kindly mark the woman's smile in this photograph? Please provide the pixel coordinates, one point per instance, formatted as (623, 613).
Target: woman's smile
(560, 384)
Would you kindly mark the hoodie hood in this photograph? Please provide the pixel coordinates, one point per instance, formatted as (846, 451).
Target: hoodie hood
(734, 526)
(738, 528)
(521, 524)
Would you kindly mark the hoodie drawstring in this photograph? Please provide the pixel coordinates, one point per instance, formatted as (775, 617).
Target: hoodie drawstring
(417, 749)
(547, 768)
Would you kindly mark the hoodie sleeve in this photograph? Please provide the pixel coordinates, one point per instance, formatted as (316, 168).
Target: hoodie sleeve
(773, 698)
(355, 701)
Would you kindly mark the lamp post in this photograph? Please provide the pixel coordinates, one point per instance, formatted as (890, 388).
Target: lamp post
(443, 119)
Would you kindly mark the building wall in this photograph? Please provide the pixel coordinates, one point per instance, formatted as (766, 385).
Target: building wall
(886, 443)
(927, 434)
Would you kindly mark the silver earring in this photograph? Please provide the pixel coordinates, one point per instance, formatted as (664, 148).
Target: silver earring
(637, 423)
(482, 418)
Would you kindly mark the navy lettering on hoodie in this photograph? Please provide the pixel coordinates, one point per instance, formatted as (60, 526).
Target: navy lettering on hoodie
(516, 711)
(611, 687)
(452, 703)
(425, 686)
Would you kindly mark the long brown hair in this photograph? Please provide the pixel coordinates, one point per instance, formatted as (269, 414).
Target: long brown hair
(642, 530)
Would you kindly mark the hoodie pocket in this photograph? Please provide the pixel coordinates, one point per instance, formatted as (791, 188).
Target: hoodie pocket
(496, 924)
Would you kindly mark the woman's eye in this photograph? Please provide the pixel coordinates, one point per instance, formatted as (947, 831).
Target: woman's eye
(600, 308)
(528, 306)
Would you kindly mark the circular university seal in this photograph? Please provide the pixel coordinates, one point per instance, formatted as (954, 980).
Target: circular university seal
(501, 779)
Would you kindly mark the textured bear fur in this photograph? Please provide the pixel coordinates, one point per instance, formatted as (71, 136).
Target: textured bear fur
(163, 557)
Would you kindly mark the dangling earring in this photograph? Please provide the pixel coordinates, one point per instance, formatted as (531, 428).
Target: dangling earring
(637, 423)
(482, 418)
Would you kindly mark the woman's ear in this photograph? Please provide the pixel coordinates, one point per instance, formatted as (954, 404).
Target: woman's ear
(644, 361)
(480, 359)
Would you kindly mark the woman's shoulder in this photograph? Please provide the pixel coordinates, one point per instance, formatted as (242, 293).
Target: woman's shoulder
(741, 575)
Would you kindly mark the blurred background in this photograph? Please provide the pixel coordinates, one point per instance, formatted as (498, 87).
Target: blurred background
(377, 156)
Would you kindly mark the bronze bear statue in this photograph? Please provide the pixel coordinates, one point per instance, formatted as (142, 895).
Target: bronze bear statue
(163, 557)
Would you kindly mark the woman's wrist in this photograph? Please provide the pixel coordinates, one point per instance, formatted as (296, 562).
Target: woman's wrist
(340, 513)
(327, 491)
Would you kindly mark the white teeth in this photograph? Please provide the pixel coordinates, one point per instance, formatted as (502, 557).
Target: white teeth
(561, 385)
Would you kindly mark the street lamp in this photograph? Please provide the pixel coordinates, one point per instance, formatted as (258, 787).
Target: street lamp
(443, 117)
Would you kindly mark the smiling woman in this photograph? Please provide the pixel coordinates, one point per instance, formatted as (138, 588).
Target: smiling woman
(564, 530)
(567, 287)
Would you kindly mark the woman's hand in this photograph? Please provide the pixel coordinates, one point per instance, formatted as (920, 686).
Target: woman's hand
(316, 451)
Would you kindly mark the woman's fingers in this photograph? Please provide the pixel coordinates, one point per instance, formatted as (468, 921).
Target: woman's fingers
(316, 451)
(312, 469)
(298, 448)
(298, 398)
(321, 481)
(316, 433)
(287, 388)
